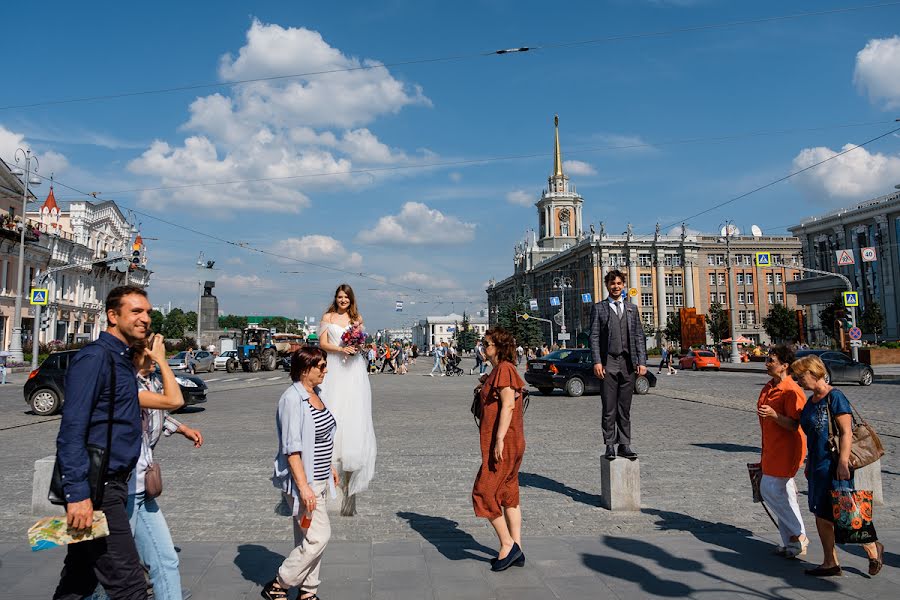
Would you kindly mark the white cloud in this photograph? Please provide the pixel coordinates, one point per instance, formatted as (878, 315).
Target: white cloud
(421, 280)
(48, 161)
(856, 175)
(520, 197)
(281, 129)
(245, 283)
(877, 69)
(687, 231)
(418, 224)
(319, 249)
(455, 176)
(577, 167)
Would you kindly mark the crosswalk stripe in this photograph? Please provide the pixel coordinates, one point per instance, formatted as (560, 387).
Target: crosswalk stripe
(274, 378)
(252, 379)
(232, 379)
(214, 379)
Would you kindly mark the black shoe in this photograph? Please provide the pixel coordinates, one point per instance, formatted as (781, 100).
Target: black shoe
(518, 563)
(834, 571)
(610, 453)
(503, 564)
(273, 591)
(626, 452)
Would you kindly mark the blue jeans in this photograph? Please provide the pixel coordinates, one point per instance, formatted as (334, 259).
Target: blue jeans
(437, 366)
(155, 547)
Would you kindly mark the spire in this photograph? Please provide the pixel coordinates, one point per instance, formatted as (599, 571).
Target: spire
(557, 155)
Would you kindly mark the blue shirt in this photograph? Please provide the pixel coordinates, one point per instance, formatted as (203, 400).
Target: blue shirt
(88, 381)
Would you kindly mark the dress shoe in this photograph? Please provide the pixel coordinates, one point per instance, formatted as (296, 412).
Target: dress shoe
(834, 571)
(502, 564)
(610, 453)
(518, 563)
(627, 452)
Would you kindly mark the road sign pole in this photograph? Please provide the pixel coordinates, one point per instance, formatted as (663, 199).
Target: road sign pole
(35, 344)
(854, 349)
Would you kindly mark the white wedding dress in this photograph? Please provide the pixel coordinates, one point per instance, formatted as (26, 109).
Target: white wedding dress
(347, 393)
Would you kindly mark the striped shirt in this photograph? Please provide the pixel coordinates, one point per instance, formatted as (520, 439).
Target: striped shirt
(324, 423)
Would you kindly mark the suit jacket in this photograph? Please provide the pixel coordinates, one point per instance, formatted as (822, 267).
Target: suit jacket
(600, 315)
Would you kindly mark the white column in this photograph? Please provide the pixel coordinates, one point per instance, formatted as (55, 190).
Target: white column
(4, 276)
(633, 280)
(688, 280)
(660, 290)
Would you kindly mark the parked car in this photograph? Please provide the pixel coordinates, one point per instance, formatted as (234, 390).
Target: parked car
(203, 361)
(572, 370)
(699, 359)
(46, 386)
(841, 368)
(223, 359)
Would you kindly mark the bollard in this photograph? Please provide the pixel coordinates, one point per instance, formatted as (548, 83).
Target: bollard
(620, 484)
(40, 486)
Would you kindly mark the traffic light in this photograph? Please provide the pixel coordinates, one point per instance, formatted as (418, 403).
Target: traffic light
(45, 320)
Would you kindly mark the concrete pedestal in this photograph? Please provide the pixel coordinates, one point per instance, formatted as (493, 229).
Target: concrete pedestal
(869, 478)
(40, 485)
(620, 484)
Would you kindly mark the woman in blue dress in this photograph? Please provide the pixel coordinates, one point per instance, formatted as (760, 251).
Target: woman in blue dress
(821, 467)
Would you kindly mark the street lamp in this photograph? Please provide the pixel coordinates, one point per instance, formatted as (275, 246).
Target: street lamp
(562, 284)
(729, 229)
(15, 344)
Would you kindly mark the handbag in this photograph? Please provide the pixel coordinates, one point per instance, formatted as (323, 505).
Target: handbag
(755, 472)
(852, 511)
(865, 448)
(153, 485)
(98, 457)
(477, 408)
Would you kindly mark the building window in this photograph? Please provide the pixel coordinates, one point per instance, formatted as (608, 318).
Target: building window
(721, 278)
(748, 259)
(564, 229)
(673, 260)
(646, 299)
(647, 317)
(742, 318)
(777, 278)
(679, 299)
(646, 280)
(712, 276)
(712, 297)
(740, 278)
(796, 276)
(722, 299)
(779, 297)
(769, 278)
(679, 280)
(751, 317)
(748, 278)
(720, 259)
(750, 298)
(670, 299)
(669, 279)
(711, 259)
(771, 298)
(645, 260)
(741, 298)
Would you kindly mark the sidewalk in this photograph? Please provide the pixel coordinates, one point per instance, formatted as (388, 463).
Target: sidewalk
(889, 372)
(725, 563)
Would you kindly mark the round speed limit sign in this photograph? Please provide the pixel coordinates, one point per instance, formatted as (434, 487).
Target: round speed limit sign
(632, 292)
(868, 254)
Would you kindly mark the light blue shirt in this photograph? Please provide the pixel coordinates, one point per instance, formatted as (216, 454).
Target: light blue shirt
(296, 431)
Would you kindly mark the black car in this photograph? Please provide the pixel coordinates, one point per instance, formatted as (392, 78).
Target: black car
(45, 388)
(573, 371)
(841, 368)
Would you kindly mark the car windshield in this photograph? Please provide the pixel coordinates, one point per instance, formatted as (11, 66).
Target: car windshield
(561, 355)
(180, 355)
(229, 353)
(704, 353)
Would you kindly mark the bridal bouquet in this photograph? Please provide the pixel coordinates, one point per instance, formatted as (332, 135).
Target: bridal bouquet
(355, 336)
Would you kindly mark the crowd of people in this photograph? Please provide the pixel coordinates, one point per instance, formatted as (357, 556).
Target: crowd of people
(326, 441)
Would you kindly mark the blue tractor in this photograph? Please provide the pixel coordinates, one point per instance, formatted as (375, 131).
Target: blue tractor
(257, 350)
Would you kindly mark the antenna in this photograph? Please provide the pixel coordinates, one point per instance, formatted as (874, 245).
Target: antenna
(755, 230)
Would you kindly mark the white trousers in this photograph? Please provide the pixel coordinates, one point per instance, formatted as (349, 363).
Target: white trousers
(301, 567)
(780, 495)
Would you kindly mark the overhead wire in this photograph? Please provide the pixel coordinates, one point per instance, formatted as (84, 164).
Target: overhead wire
(457, 57)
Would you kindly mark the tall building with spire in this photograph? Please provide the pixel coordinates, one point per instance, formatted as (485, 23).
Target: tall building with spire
(559, 208)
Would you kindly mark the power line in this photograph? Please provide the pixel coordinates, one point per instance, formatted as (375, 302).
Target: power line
(457, 57)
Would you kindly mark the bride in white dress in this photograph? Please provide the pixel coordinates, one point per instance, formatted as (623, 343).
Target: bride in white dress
(349, 395)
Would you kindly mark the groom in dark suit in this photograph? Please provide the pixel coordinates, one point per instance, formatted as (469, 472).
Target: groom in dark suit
(619, 351)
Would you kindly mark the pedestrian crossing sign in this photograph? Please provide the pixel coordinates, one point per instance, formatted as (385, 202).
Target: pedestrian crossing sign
(586, 298)
(851, 299)
(554, 300)
(763, 259)
(39, 296)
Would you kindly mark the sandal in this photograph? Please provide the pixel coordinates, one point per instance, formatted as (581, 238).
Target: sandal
(274, 591)
(875, 564)
(795, 549)
(313, 597)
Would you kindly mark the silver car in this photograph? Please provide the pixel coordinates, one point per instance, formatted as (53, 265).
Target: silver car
(203, 361)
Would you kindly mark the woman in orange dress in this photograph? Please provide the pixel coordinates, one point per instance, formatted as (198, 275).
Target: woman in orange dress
(496, 492)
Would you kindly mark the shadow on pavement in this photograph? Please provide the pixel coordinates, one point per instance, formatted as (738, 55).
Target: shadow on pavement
(189, 410)
(257, 563)
(447, 537)
(724, 447)
(545, 483)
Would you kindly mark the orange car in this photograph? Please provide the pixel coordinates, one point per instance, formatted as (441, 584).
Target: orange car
(699, 359)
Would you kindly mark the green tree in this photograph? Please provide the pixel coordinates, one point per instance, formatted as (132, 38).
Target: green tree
(718, 323)
(465, 336)
(526, 331)
(672, 330)
(175, 324)
(190, 321)
(872, 320)
(157, 321)
(827, 315)
(232, 322)
(781, 324)
(280, 324)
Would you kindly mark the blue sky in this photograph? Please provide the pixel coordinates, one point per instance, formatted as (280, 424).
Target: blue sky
(443, 230)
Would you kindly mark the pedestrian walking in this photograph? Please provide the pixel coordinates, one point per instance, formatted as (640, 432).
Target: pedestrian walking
(304, 473)
(438, 355)
(520, 353)
(780, 404)
(823, 469)
(189, 361)
(101, 379)
(495, 495)
(2, 368)
(619, 352)
(388, 360)
(415, 353)
(479, 358)
(670, 362)
(663, 360)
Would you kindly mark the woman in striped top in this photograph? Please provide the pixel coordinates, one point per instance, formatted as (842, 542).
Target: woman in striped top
(303, 472)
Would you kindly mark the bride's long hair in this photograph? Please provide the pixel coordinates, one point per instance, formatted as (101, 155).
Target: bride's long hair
(351, 310)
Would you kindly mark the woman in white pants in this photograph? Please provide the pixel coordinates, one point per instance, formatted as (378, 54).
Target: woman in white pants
(303, 473)
(783, 447)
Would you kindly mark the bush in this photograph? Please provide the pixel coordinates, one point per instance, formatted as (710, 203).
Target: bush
(892, 345)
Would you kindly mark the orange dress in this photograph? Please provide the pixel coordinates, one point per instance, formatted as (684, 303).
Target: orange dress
(497, 484)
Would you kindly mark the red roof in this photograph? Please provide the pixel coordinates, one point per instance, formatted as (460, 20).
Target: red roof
(50, 202)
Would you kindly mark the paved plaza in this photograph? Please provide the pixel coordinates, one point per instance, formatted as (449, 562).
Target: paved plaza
(697, 535)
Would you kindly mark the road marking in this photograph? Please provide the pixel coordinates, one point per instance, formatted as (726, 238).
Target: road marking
(214, 379)
(232, 379)
(274, 378)
(251, 379)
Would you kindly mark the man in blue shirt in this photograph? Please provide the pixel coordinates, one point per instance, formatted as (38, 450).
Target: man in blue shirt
(113, 560)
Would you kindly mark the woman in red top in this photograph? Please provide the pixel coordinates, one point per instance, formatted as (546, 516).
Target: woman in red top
(496, 492)
(783, 447)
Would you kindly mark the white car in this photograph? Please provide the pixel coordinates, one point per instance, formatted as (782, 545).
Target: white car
(222, 359)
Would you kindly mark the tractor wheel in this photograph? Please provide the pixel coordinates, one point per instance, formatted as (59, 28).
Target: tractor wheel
(269, 360)
(254, 365)
(231, 365)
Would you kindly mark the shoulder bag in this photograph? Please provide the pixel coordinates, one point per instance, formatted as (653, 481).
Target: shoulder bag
(98, 457)
(865, 448)
(477, 408)
(153, 484)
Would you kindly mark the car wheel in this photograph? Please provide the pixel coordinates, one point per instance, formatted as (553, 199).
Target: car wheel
(694, 367)
(642, 385)
(212, 367)
(254, 365)
(547, 391)
(44, 403)
(867, 377)
(575, 387)
(231, 365)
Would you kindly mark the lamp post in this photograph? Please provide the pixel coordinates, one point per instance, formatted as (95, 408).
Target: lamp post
(729, 229)
(562, 283)
(15, 344)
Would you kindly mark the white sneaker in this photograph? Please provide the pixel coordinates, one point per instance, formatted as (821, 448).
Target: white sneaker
(431, 374)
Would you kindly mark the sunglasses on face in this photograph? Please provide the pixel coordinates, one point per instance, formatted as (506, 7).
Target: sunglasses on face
(321, 366)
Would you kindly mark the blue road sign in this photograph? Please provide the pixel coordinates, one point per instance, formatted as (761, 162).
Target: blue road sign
(851, 299)
(586, 298)
(39, 296)
(554, 300)
(763, 259)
